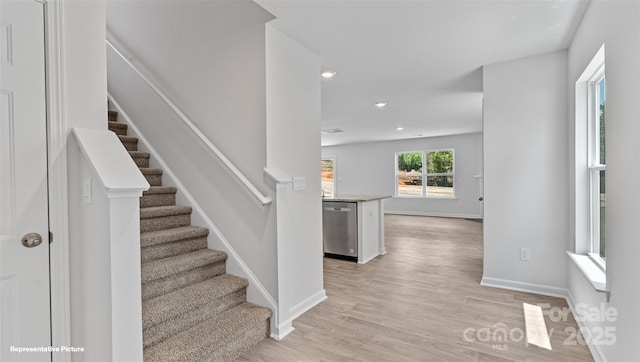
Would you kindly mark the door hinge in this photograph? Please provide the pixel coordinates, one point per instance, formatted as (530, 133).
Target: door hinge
(50, 237)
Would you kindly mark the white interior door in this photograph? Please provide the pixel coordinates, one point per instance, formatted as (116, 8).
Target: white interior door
(24, 270)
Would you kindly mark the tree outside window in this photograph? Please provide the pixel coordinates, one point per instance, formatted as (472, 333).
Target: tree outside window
(434, 167)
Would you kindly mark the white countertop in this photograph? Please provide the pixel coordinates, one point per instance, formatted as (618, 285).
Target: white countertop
(356, 198)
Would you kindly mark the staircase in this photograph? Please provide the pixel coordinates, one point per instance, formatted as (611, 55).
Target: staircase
(191, 309)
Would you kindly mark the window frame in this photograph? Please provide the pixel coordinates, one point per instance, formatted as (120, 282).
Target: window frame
(425, 174)
(331, 158)
(594, 166)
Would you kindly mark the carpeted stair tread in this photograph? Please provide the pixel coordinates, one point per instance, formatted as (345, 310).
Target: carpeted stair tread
(118, 128)
(128, 139)
(112, 113)
(139, 154)
(150, 238)
(129, 143)
(153, 175)
(119, 125)
(154, 190)
(223, 334)
(167, 250)
(161, 211)
(150, 171)
(170, 305)
(162, 268)
(158, 196)
(140, 158)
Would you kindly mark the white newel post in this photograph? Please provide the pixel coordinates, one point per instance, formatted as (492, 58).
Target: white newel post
(281, 320)
(105, 239)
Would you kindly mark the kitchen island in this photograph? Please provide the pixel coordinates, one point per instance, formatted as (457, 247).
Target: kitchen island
(353, 226)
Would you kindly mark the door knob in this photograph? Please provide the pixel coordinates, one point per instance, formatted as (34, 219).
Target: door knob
(31, 240)
(480, 198)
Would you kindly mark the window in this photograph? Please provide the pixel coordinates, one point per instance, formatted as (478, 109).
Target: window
(425, 174)
(590, 169)
(597, 163)
(327, 166)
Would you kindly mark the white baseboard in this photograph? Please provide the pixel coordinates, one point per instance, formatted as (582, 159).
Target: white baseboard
(525, 287)
(433, 214)
(283, 330)
(286, 327)
(597, 354)
(300, 308)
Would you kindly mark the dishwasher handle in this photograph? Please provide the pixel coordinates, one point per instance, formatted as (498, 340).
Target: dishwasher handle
(339, 209)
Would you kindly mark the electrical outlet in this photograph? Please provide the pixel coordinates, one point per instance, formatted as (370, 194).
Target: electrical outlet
(525, 254)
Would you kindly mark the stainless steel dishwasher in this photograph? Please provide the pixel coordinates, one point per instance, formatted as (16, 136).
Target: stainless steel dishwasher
(340, 229)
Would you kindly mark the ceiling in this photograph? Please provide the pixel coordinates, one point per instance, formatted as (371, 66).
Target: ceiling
(423, 57)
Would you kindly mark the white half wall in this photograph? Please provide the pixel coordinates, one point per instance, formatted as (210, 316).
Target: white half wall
(369, 169)
(617, 25)
(525, 170)
(293, 148)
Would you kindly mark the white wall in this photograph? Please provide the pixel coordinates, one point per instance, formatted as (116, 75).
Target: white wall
(293, 147)
(208, 57)
(85, 64)
(526, 171)
(369, 169)
(617, 25)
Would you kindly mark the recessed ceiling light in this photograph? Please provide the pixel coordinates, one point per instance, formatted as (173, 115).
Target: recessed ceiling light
(328, 74)
(399, 128)
(380, 104)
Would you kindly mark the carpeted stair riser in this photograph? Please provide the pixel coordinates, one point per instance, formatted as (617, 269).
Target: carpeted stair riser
(113, 115)
(158, 196)
(153, 176)
(118, 128)
(130, 143)
(164, 217)
(165, 236)
(160, 251)
(157, 200)
(222, 338)
(140, 158)
(165, 222)
(168, 284)
(164, 330)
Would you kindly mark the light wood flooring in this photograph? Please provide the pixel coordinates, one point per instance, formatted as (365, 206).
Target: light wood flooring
(415, 304)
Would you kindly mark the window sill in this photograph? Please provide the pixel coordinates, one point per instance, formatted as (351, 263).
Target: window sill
(425, 198)
(594, 273)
